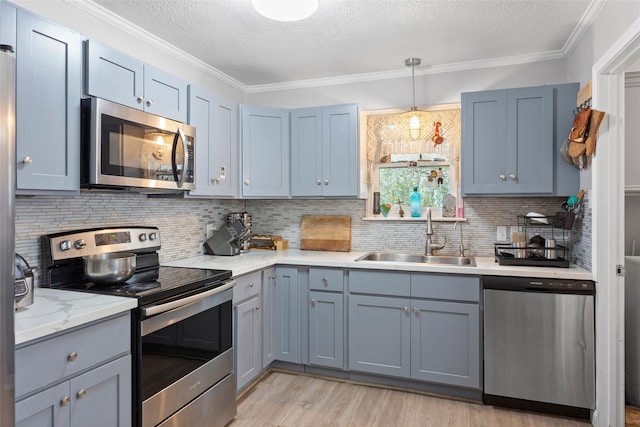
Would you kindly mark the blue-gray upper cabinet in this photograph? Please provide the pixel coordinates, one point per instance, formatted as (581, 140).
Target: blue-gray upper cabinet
(264, 146)
(287, 311)
(216, 121)
(48, 91)
(511, 140)
(113, 75)
(324, 151)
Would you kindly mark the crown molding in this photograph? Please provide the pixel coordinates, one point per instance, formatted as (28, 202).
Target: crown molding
(585, 22)
(131, 28)
(419, 71)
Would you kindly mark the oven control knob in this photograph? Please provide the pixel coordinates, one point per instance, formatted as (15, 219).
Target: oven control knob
(153, 236)
(142, 237)
(65, 245)
(79, 244)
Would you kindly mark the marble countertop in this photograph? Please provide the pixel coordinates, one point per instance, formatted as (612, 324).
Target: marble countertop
(258, 259)
(55, 310)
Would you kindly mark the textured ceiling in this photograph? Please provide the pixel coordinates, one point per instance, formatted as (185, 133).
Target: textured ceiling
(352, 37)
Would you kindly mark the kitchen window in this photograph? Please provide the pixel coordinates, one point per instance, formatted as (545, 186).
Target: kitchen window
(396, 162)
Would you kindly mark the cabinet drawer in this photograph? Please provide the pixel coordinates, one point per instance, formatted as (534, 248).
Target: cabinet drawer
(446, 287)
(324, 279)
(247, 286)
(48, 361)
(380, 282)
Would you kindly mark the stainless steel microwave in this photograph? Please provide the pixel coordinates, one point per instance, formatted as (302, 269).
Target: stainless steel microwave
(125, 148)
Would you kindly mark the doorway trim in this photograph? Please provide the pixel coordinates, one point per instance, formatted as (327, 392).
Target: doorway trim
(608, 228)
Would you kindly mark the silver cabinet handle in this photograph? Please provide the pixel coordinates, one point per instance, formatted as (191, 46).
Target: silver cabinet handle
(251, 285)
(65, 401)
(258, 307)
(326, 182)
(512, 177)
(27, 160)
(318, 182)
(81, 394)
(415, 310)
(312, 301)
(405, 309)
(247, 182)
(140, 99)
(325, 281)
(149, 102)
(502, 177)
(72, 356)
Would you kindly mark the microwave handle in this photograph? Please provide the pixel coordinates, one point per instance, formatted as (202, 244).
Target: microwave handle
(179, 134)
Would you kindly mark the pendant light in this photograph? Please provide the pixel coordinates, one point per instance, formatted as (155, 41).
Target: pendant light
(415, 126)
(285, 10)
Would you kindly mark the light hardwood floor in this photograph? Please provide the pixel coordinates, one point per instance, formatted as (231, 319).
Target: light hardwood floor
(283, 399)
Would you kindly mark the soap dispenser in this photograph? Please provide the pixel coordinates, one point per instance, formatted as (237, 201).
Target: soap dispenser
(416, 203)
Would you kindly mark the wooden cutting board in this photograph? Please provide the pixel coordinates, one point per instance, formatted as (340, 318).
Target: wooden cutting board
(325, 233)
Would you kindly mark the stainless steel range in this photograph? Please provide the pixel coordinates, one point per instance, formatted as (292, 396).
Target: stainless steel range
(182, 328)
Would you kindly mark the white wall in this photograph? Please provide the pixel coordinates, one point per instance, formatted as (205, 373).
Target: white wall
(431, 89)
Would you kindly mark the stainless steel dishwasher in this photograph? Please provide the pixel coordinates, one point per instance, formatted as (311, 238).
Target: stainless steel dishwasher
(539, 351)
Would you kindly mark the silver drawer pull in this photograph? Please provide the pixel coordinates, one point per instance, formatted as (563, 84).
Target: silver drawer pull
(65, 401)
(81, 394)
(27, 160)
(72, 356)
(405, 309)
(415, 310)
(258, 307)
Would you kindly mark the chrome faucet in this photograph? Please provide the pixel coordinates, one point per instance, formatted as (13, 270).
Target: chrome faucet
(462, 246)
(432, 247)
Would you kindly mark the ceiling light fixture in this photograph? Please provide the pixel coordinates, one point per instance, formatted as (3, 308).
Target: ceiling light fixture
(285, 10)
(415, 126)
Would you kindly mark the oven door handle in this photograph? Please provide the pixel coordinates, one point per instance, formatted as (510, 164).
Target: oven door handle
(161, 308)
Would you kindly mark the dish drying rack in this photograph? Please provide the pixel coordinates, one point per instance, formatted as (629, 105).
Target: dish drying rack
(534, 255)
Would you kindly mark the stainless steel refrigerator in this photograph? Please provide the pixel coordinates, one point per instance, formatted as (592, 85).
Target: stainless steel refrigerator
(7, 234)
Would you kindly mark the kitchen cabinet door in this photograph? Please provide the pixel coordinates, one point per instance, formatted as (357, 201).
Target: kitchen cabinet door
(113, 75)
(340, 150)
(248, 341)
(165, 94)
(445, 343)
(268, 317)
(510, 145)
(380, 335)
(102, 396)
(306, 152)
(216, 122)
(48, 89)
(324, 151)
(45, 409)
(264, 143)
(287, 315)
(326, 329)
(120, 78)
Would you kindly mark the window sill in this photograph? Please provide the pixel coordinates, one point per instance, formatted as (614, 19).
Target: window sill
(411, 219)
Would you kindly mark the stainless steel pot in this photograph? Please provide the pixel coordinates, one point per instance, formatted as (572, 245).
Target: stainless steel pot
(110, 268)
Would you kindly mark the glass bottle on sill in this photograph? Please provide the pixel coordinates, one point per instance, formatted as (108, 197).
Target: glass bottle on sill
(416, 203)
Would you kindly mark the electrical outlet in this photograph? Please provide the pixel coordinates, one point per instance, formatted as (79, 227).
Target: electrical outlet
(501, 233)
(211, 228)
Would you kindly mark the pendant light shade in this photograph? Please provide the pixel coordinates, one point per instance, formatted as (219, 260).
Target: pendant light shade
(285, 10)
(415, 125)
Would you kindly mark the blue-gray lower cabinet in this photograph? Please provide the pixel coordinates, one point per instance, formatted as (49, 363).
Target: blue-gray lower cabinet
(48, 89)
(248, 341)
(101, 396)
(326, 329)
(379, 335)
(445, 342)
(76, 378)
(268, 316)
(287, 314)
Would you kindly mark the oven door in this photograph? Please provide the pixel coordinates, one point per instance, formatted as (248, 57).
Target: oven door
(186, 353)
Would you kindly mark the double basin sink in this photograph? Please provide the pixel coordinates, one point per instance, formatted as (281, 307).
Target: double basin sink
(420, 259)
